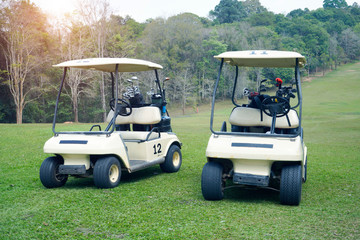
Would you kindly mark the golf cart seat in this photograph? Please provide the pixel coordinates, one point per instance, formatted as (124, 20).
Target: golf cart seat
(142, 115)
(131, 136)
(250, 117)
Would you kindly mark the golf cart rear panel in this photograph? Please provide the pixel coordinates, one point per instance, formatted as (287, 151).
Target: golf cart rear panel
(264, 145)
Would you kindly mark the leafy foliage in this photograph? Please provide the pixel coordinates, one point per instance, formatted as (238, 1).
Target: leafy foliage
(183, 44)
(334, 3)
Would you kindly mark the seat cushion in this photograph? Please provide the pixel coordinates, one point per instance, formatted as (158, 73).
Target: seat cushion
(142, 115)
(250, 117)
(131, 135)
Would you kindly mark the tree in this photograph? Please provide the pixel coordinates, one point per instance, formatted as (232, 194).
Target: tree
(75, 45)
(253, 7)
(175, 43)
(24, 41)
(298, 13)
(95, 14)
(184, 86)
(235, 35)
(334, 50)
(334, 4)
(263, 38)
(228, 11)
(262, 19)
(350, 42)
(211, 47)
(123, 33)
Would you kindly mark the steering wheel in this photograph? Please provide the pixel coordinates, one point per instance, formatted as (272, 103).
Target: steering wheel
(275, 106)
(122, 107)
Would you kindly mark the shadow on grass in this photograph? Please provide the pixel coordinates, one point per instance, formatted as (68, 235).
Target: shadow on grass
(126, 178)
(251, 194)
(140, 175)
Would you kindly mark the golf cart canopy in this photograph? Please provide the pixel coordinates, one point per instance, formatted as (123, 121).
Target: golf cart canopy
(109, 64)
(114, 66)
(262, 58)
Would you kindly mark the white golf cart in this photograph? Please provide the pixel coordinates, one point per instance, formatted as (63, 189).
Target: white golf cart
(138, 135)
(265, 146)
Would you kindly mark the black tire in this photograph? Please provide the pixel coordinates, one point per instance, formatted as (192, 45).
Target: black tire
(107, 172)
(290, 185)
(49, 173)
(173, 160)
(212, 184)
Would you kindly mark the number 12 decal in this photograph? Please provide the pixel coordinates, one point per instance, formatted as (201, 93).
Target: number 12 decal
(157, 148)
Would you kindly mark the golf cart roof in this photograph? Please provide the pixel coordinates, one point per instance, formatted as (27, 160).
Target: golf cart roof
(262, 58)
(109, 64)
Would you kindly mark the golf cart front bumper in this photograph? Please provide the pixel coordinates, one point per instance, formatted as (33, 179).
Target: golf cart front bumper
(76, 149)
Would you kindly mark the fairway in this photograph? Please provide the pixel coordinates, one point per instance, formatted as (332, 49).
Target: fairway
(151, 204)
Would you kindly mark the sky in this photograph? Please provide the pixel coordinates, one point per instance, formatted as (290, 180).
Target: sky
(140, 10)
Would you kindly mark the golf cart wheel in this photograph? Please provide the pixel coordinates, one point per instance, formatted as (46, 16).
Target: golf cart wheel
(212, 184)
(173, 160)
(107, 172)
(49, 173)
(290, 185)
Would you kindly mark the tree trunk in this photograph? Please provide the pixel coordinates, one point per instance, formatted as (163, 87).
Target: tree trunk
(19, 114)
(76, 110)
(183, 105)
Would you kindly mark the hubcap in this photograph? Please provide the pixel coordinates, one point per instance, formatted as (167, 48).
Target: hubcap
(113, 173)
(176, 159)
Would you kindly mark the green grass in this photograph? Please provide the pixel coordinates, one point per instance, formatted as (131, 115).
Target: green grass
(153, 205)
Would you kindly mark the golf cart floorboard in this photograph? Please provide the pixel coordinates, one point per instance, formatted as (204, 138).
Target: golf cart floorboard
(136, 165)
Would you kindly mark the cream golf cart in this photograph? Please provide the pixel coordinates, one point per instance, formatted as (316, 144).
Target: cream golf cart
(138, 134)
(264, 147)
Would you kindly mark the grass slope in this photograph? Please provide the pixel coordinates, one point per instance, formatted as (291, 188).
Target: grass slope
(153, 205)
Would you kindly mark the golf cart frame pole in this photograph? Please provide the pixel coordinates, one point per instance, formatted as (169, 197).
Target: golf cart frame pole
(247, 134)
(57, 100)
(298, 86)
(163, 100)
(158, 83)
(110, 125)
(112, 84)
(214, 95)
(234, 89)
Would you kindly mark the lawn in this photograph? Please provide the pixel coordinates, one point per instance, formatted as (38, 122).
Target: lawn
(153, 205)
